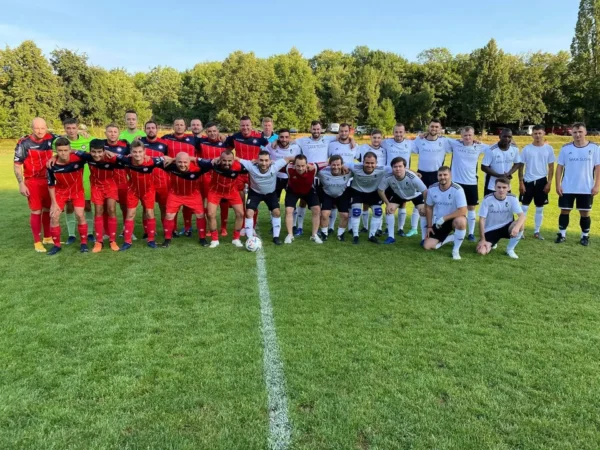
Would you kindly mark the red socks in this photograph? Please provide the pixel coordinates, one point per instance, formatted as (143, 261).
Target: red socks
(214, 235)
(112, 229)
(201, 225)
(55, 232)
(128, 231)
(224, 214)
(99, 228)
(236, 234)
(35, 221)
(83, 229)
(187, 218)
(168, 226)
(151, 229)
(46, 223)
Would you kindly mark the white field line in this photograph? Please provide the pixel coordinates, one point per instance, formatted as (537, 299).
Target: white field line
(279, 422)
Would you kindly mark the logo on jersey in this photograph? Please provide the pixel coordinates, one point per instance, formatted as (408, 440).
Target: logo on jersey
(83, 147)
(160, 147)
(254, 141)
(145, 169)
(106, 166)
(192, 176)
(76, 166)
(506, 204)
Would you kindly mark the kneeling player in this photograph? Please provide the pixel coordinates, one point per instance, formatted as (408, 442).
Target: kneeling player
(497, 221)
(334, 195)
(397, 189)
(65, 183)
(446, 209)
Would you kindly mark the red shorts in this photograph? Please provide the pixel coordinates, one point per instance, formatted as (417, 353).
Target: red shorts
(233, 198)
(147, 199)
(77, 198)
(205, 185)
(241, 182)
(103, 192)
(194, 202)
(123, 190)
(162, 195)
(39, 195)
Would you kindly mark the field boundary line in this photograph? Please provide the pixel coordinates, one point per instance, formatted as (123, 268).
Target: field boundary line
(279, 422)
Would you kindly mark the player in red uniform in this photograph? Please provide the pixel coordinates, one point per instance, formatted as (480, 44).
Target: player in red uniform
(65, 183)
(31, 155)
(211, 147)
(104, 192)
(141, 189)
(184, 190)
(224, 186)
(113, 144)
(156, 148)
(247, 144)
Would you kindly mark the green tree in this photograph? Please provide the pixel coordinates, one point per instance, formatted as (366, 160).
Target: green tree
(197, 88)
(29, 89)
(293, 98)
(161, 88)
(121, 95)
(527, 75)
(415, 109)
(383, 117)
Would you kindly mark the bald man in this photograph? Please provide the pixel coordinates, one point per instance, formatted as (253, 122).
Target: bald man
(31, 155)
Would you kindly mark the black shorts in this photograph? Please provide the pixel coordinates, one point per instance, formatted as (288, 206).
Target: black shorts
(342, 203)
(393, 198)
(442, 232)
(291, 198)
(471, 193)
(254, 199)
(367, 198)
(280, 186)
(583, 201)
(534, 190)
(501, 233)
(428, 178)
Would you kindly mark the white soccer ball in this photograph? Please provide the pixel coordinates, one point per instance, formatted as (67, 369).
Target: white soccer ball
(253, 244)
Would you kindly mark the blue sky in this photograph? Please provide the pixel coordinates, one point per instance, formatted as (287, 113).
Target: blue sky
(140, 35)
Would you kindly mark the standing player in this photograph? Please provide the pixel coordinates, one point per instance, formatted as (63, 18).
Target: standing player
(211, 148)
(196, 127)
(186, 178)
(375, 148)
(577, 182)
(65, 183)
(538, 159)
(224, 187)
(283, 149)
(31, 155)
(363, 190)
(432, 149)
(446, 209)
(399, 146)
(263, 183)
(497, 220)
(335, 196)
(398, 188)
(267, 132)
(465, 158)
(500, 160)
(301, 187)
(141, 189)
(131, 132)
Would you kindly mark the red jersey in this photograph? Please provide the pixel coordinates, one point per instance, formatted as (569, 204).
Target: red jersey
(246, 147)
(300, 184)
(120, 148)
(223, 182)
(211, 149)
(67, 178)
(188, 183)
(156, 149)
(141, 179)
(101, 172)
(184, 143)
(33, 154)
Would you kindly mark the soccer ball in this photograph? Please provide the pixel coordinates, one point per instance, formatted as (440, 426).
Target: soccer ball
(253, 244)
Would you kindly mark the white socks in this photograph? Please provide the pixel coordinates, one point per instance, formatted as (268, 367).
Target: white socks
(276, 224)
(512, 243)
(365, 219)
(301, 212)
(471, 217)
(341, 231)
(249, 225)
(459, 237)
(71, 221)
(414, 219)
(423, 227)
(539, 217)
(375, 224)
(389, 220)
(401, 218)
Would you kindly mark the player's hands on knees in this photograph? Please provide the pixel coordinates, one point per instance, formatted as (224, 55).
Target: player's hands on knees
(482, 247)
(428, 233)
(390, 208)
(23, 189)
(54, 211)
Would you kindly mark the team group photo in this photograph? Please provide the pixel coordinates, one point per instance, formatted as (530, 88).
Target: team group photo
(233, 226)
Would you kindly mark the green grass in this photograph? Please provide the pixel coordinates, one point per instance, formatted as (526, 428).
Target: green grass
(383, 347)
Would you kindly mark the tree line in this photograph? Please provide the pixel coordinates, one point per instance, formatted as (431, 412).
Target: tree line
(364, 87)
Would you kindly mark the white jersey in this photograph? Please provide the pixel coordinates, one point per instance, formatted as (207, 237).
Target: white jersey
(465, 160)
(344, 150)
(499, 213)
(360, 153)
(407, 188)
(263, 183)
(280, 153)
(366, 182)
(536, 160)
(432, 153)
(393, 149)
(579, 164)
(315, 150)
(333, 185)
(445, 202)
(500, 161)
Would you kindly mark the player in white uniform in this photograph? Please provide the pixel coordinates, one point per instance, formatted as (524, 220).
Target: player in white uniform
(398, 188)
(375, 148)
(446, 209)
(465, 160)
(497, 220)
(432, 149)
(334, 195)
(283, 149)
(501, 160)
(577, 182)
(404, 148)
(538, 159)
(344, 147)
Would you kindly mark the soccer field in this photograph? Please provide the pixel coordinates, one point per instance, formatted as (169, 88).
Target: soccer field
(383, 347)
